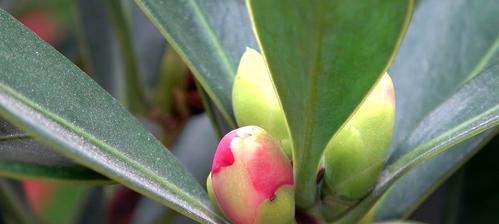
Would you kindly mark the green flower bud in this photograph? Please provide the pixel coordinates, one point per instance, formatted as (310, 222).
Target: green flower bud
(355, 156)
(252, 179)
(255, 100)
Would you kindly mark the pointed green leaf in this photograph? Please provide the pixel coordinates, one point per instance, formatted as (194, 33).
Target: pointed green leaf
(324, 57)
(210, 36)
(447, 44)
(49, 98)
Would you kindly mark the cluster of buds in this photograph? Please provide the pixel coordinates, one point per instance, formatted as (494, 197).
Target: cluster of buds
(251, 180)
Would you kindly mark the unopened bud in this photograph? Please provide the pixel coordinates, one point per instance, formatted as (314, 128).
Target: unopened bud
(255, 100)
(355, 156)
(252, 179)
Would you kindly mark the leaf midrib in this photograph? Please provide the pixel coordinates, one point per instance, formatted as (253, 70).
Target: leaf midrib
(94, 141)
(311, 108)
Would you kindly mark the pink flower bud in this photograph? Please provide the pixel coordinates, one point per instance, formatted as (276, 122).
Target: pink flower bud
(252, 178)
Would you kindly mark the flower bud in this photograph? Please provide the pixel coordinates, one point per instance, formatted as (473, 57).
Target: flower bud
(252, 179)
(355, 156)
(255, 100)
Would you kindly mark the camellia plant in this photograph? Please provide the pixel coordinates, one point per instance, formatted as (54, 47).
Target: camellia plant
(328, 111)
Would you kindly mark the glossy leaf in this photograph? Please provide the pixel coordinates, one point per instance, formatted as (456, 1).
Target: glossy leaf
(447, 43)
(210, 36)
(471, 110)
(51, 99)
(324, 58)
(23, 157)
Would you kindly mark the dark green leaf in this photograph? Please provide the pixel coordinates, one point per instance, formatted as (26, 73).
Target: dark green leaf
(42, 93)
(448, 43)
(23, 157)
(210, 36)
(324, 57)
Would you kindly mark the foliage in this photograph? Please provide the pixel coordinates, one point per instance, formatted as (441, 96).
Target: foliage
(58, 123)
